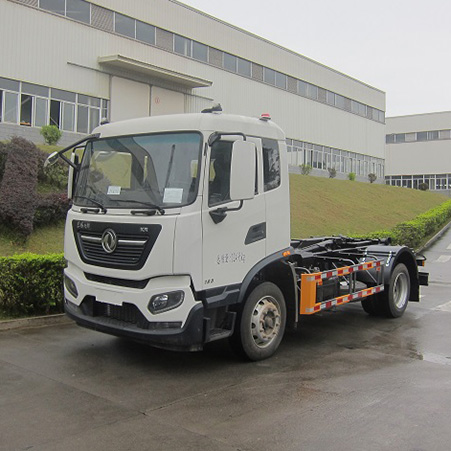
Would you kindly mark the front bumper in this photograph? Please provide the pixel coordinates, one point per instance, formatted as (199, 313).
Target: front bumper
(159, 334)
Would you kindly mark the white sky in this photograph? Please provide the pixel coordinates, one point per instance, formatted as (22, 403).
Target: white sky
(402, 47)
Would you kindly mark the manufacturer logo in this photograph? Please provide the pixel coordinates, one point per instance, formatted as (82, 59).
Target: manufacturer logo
(109, 241)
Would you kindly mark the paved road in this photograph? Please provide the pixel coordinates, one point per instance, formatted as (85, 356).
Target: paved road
(343, 381)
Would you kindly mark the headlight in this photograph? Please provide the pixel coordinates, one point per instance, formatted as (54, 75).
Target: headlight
(166, 301)
(70, 286)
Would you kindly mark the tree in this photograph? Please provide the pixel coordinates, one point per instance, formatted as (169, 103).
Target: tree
(51, 134)
(372, 177)
(305, 169)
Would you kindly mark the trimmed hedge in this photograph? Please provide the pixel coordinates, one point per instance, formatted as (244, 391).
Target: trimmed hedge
(413, 233)
(31, 284)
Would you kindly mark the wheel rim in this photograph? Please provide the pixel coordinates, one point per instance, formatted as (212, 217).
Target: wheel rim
(266, 321)
(400, 290)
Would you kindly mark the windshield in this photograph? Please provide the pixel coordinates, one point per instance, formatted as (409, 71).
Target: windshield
(144, 171)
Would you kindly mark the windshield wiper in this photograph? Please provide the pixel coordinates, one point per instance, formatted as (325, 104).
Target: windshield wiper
(151, 207)
(91, 210)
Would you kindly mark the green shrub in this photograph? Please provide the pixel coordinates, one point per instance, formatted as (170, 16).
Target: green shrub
(31, 284)
(423, 186)
(332, 173)
(413, 233)
(305, 169)
(351, 176)
(372, 177)
(55, 175)
(51, 133)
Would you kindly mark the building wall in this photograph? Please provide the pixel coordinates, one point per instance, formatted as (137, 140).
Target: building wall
(59, 52)
(418, 150)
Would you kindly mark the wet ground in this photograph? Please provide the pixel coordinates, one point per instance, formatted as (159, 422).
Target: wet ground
(343, 381)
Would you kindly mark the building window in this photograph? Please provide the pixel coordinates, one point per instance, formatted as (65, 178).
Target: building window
(82, 119)
(68, 117)
(330, 98)
(78, 10)
(312, 91)
(433, 135)
(422, 136)
(55, 110)
(11, 106)
(445, 134)
(269, 76)
(74, 9)
(230, 62)
(244, 67)
(302, 88)
(40, 114)
(400, 137)
(59, 94)
(340, 101)
(182, 45)
(26, 106)
(281, 80)
(55, 6)
(200, 52)
(145, 32)
(124, 25)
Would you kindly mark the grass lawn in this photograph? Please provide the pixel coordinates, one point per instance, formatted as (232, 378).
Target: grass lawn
(322, 206)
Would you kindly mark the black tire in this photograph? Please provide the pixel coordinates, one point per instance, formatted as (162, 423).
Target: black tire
(392, 302)
(260, 324)
(369, 305)
(395, 299)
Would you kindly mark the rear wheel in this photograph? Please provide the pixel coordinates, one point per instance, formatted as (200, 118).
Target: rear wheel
(392, 302)
(261, 323)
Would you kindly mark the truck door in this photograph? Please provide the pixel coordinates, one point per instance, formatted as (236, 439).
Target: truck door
(233, 244)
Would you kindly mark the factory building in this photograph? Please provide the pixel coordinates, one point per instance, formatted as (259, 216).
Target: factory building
(418, 151)
(72, 63)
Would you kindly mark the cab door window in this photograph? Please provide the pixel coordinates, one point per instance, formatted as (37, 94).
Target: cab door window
(219, 176)
(271, 164)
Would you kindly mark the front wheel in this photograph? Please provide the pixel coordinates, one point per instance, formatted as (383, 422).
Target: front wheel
(261, 323)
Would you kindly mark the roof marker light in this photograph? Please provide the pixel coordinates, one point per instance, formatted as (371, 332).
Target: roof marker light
(265, 117)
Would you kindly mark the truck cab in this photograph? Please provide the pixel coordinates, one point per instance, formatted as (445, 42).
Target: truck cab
(170, 215)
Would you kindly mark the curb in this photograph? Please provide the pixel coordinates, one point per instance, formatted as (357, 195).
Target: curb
(432, 240)
(37, 321)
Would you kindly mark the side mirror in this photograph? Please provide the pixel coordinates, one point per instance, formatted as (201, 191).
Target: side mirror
(51, 159)
(242, 171)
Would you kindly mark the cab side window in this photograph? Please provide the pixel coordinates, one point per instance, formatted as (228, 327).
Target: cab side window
(271, 164)
(219, 180)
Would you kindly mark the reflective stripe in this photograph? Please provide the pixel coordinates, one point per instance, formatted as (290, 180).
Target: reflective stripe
(344, 271)
(345, 299)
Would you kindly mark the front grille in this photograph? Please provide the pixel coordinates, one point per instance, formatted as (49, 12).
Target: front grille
(120, 315)
(128, 252)
(134, 243)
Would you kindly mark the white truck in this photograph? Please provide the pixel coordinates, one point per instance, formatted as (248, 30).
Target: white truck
(179, 234)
